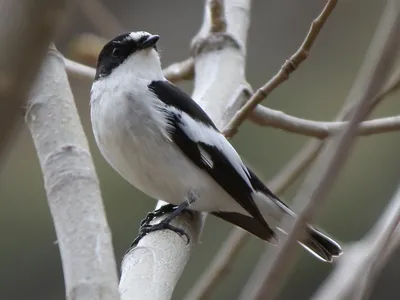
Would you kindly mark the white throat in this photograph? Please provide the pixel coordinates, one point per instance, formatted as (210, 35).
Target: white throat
(139, 70)
(144, 64)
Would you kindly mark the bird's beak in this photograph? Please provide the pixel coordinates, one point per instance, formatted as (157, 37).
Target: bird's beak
(149, 42)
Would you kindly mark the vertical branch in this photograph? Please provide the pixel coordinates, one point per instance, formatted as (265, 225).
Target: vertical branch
(147, 269)
(382, 53)
(25, 32)
(71, 185)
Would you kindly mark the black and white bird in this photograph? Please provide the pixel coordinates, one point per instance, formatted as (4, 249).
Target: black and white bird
(164, 144)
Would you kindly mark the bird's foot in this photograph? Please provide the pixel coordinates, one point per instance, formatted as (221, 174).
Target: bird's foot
(165, 209)
(145, 229)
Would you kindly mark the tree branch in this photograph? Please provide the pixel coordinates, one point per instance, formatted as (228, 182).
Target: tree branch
(382, 53)
(164, 252)
(287, 68)
(321, 130)
(218, 22)
(78, 70)
(71, 185)
(25, 35)
(183, 70)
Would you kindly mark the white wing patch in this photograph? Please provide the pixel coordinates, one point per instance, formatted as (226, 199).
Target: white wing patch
(205, 156)
(199, 132)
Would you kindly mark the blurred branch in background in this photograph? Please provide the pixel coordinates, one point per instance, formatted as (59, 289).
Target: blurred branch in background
(71, 185)
(381, 56)
(27, 33)
(288, 67)
(354, 275)
(219, 267)
(101, 18)
(85, 48)
(77, 70)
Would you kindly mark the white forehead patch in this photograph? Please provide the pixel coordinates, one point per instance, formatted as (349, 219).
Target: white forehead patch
(138, 34)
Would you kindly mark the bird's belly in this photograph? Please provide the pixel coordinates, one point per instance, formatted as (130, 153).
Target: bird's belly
(133, 144)
(165, 173)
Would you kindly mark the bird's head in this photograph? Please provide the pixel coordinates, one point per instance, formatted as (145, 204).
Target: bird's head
(134, 52)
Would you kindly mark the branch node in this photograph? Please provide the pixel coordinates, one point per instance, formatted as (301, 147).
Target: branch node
(213, 42)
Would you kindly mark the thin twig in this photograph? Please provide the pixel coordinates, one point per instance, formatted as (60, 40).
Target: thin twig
(101, 18)
(321, 130)
(382, 54)
(277, 119)
(288, 67)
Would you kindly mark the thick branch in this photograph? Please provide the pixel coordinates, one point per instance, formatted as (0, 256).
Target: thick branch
(71, 186)
(146, 269)
(25, 31)
(382, 54)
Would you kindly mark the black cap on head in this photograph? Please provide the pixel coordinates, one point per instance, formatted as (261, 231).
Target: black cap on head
(116, 51)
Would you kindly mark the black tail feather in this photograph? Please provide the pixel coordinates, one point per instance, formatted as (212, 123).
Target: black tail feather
(317, 243)
(321, 245)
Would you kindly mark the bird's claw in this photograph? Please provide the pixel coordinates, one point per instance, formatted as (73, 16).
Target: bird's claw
(168, 208)
(145, 229)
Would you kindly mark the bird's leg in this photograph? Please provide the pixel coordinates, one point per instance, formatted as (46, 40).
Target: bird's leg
(165, 209)
(146, 228)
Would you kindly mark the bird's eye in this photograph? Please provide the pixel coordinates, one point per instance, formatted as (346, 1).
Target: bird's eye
(116, 52)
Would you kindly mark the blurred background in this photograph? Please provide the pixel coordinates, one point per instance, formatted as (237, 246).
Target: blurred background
(30, 265)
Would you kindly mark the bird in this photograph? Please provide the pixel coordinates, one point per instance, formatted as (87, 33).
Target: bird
(163, 143)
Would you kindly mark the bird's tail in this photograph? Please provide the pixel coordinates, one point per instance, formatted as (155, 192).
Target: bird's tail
(320, 245)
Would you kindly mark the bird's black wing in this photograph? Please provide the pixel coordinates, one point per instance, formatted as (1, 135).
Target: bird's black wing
(173, 96)
(197, 137)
